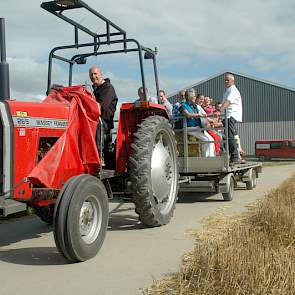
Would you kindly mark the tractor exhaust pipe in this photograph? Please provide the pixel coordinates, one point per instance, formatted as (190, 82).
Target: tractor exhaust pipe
(4, 66)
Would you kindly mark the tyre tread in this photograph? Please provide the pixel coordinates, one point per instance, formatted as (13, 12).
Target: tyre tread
(140, 169)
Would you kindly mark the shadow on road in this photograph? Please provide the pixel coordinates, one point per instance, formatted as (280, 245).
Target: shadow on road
(26, 228)
(240, 188)
(122, 217)
(186, 198)
(14, 231)
(33, 256)
(119, 222)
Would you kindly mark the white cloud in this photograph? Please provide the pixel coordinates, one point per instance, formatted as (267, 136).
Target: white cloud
(191, 35)
(276, 63)
(28, 78)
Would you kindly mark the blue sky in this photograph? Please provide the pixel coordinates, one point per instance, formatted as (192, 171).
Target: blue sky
(195, 39)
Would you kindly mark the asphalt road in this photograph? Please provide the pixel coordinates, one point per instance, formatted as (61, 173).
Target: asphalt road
(131, 257)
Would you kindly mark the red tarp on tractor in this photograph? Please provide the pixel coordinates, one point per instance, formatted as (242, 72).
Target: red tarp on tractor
(75, 152)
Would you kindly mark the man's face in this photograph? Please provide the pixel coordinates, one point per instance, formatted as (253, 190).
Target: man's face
(228, 81)
(96, 76)
(141, 94)
(162, 96)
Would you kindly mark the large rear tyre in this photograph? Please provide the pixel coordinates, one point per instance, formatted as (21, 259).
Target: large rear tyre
(81, 218)
(154, 171)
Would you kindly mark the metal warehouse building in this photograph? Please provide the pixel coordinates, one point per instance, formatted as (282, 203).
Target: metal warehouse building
(268, 108)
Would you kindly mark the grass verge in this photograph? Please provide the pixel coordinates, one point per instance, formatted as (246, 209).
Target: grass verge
(249, 254)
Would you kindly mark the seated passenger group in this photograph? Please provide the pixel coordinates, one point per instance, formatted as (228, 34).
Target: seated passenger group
(194, 114)
(196, 109)
(200, 112)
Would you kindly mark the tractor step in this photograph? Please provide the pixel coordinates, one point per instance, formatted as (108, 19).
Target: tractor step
(10, 206)
(107, 174)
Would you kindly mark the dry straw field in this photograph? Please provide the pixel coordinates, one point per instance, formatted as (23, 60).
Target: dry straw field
(250, 254)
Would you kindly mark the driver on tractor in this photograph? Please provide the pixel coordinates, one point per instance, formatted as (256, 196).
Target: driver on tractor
(105, 94)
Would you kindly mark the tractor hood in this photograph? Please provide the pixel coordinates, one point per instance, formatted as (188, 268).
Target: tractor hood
(75, 152)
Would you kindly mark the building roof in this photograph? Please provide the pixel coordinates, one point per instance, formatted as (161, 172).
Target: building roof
(235, 73)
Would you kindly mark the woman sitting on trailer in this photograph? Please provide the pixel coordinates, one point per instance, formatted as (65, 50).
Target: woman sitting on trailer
(213, 123)
(193, 117)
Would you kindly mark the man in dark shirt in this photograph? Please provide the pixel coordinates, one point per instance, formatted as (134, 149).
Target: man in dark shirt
(105, 94)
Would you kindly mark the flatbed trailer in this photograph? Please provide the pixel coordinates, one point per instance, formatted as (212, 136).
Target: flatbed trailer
(211, 174)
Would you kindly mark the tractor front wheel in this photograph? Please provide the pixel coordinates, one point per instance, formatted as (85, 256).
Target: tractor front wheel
(81, 218)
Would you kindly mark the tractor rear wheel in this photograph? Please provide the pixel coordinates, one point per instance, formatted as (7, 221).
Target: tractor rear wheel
(154, 171)
(81, 218)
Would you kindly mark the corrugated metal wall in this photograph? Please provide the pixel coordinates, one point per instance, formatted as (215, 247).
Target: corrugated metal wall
(250, 132)
(268, 110)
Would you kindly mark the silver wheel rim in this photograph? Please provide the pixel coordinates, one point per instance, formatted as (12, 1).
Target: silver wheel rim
(164, 171)
(90, 219)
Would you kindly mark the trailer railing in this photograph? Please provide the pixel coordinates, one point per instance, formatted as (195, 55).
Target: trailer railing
(197, 162)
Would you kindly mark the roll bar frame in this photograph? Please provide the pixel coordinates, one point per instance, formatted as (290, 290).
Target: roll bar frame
(113, 35)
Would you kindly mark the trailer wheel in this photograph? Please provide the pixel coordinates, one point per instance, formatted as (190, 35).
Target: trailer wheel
(154, 171)
(228, 196)
(256, 176)
(81, 218)
(253, 180)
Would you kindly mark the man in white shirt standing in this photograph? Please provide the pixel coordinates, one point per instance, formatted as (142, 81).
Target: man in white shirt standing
(232, 101)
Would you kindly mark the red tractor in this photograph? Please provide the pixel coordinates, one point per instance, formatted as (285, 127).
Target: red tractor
(49, 159)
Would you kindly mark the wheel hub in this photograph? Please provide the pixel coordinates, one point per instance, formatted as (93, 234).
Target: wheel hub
(86, 218)
(90, 220)
(162, 172)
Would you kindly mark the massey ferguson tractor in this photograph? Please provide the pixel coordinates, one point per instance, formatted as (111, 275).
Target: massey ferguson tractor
(49, 158)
